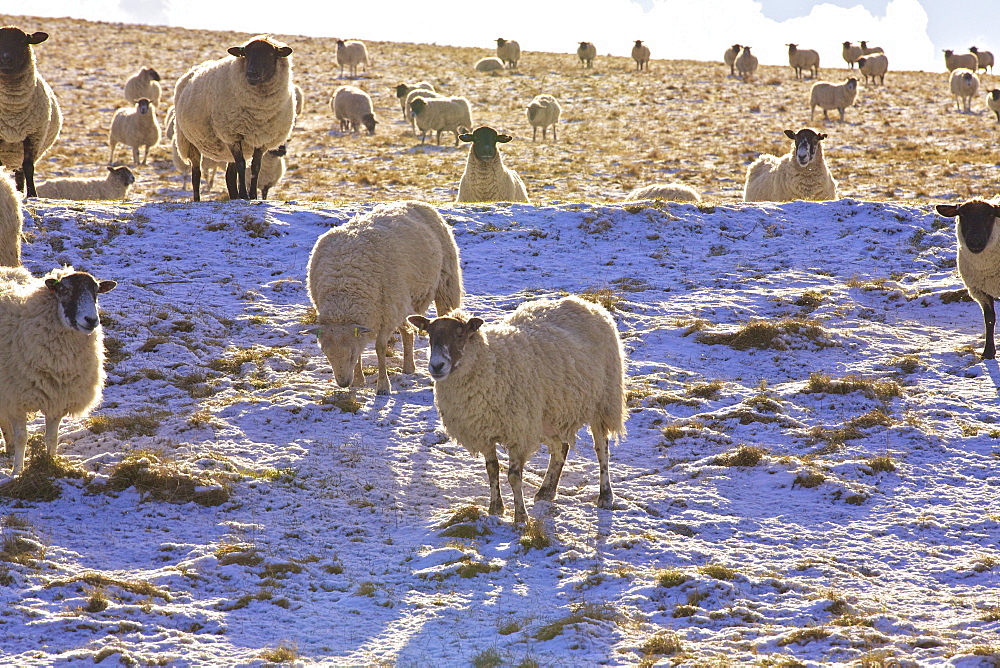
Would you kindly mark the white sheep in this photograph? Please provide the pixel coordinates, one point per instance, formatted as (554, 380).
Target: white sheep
(30, 119)
(404, 89)
(729, 57)
(964, 86)
(543, 111)
(865, 49)
(535, 377)
(51, 352)
(144, 83)
(235, 107)
(799, 174)
(300, 100)
(451, 114)
(272, 168)
(489, 64)
(114, 186)
(993, 102)
(350, 54)
(509, 51)
(586, 52)
(366, 276)
(953, 61)
(874, 66)
(671, 192)
(353, 108)
(746, 64)
(640, 54)
(803, 59)
(11, 220)
(486, 178)
(851, 53)
(418, 93)
(827, 96)
(984, 59)
(136, 127)
(208, 167)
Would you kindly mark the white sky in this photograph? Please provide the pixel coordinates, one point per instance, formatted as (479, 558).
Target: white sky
(694, 29)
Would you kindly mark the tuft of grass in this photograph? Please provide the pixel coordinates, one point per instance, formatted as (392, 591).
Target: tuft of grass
(162, 478)
(684, 610)
(488, 658)
(745, 455)
(768, 335)
(232, 365)
(127, 426)
(809, 479)
(37, 482)
(718, 571)
(94, 579)
(907, 363)
(97, 601)
(584, 613)
(534, 536)
(803, 636)
(881, 464)
(237, 553)
(991, 614)
(671, 577)
(708, 390)
(606, 297)
(810, 299)
(285, 652)
(664, 643)
(346, 402)
(873, 389)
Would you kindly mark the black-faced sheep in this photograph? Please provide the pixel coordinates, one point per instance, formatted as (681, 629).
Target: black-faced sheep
(640, 54)
(351, 54)
(803, 59)
(984, 59)
(827, 96)
(964, 86)
(993, 102)
(486, 178)
(729, 57)
(509, 51)
(586, 52)
(404, 89)
(875, 65)
(953, 61)
(144, 84)
(136, 127)
(851, 53)
(746, 64)
(543, 111)
(353, 108)
(799, 174)
(444, 114)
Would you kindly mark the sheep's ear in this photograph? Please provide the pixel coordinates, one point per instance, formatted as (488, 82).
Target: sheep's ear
(947, 210)
(418, 321)
(111, 169)
(235, 51)
(503, 139)
(473, 325)
(284, 52)
(37, 37)
(106, 286)
(466, 136)
(51, 284)
(789, 134)
(821, 136)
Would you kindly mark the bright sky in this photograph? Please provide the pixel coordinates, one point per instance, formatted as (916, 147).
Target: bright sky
(912, 32)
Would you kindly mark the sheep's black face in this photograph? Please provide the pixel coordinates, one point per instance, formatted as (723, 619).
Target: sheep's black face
(995, 94)
(484, 142)
(448, 337)
(976, 220)
(368, 120)
(142, 106)
(806, 145)
(152, 74)
(261, 59)
(76, 297)
(15, 48)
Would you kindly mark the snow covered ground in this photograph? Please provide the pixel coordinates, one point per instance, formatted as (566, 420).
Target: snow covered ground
(757, 520)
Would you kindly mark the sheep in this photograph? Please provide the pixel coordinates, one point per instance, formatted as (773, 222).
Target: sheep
(351, 54)
(114, 186)
(144, 83)
(353, 108)
(799, 174)
(978, 264)
(865, 49)
(404, 89)
(490, 64)
(300, 100)
(51, 352)
(640, 54)
(874, 66)
(11, 220)
(801, 59)
(671, 192)
(746, 64)
(486, 179)
(828, 96)
(208, 167)
(535, 377)
(272, 168)
(419, 93)
(953, 61)
(366, 276)
(984, 59)
(452, 114)
(851, 54)
(586, 52)
(238, 105)
(30, 119)
(729, 57)
(134, 127)
(543, 111)
(509, 51)
(993, 102)
(964, 86)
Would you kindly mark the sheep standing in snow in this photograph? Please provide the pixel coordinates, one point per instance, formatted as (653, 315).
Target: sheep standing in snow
(144, 84)
(586, 52)
(353, 108)
(746, 64)
(874, 66)
(451, 114)
(51, 352)
(543, 111)
(729, 57)
(803, 59)
(508, 51)
(30, 119)
(984, 59)
(114, 186)
(240, 105)
(404, 89)
(979, 258)
(993, 102)
(671, 192)
(417, 94)
(11, 220)
(486, 178)
(964, 86)
(536, 377)
(640, 54)
(851, 53)
(953, 61)
(799, 174)
(489, 64)
(272, 168)
(827, 96)
(135, 127)
(350, 54)
(365, 277)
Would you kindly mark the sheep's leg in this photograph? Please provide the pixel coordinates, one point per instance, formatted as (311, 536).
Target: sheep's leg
(382, 386)
(438, 137)
(493, 473)
(515, 475)
(550, 483)
(19, 436)
(254, 171)
(52, 433)
(7, 431)
(409, 366)
(990, 320)
(554, 137)
(231, 181)
(28, 167)
(145, 154)
(605, 499)
(111, 158)
(135, 155)
(359, 375)
(194, 156)
(241, 171)
(534, 133)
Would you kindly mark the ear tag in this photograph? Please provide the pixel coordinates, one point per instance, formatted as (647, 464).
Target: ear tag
(318, 333)
(357, 331)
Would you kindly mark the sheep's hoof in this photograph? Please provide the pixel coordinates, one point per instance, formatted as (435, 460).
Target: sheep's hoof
(606, 500)
(496, 508)
(520, 517)
(383, 391)
(545, 494)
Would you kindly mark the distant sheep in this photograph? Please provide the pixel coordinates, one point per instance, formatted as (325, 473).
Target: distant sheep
(509, 51)
(11, 220)
(586, 52)
(671, 192)
(953, 61)
(729, 57)
(874, 66)
(865, 49)
(964, 86)
(490, 64)
(135, 127)
(366, 276)
(419, 93)
(51, 352)
(640, 54)
(827, 96)
(543, 111)
(803, 59)
(984, 59)
(272, 168)
(535, 377)
(444, 114)
(799, 174)
(114, 186)
(300, 100)
(404, 89)
(353, 108)
(993, 102)
(746, 64)
(144, 83)
(486, 178)
(851, 53)
(351, 54)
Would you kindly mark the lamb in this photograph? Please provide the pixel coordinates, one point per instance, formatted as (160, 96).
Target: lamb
(11, 220)
(865, 49)
(993, 102)
(984, 59)
(452, 114)
(640, 54)
(746, 64)
(240, 105)
(353, 108)
(729, 57)
(953, 61)
(851, 54)
(535, 377)
(803, 59)
(586, 52)
(114, 186)
(366, 276)
(978, 258)
(30, 119)
(964, 86)
(419, 93)
(490, 64)
(144, 83)
(543, 111)
(486, 179)
(272, 168)
(208, 167)
(671, 192)
(799, 174)
(508, 51)
(829, 96)
(350, 54)
(51, 352)
(404, 89)
(134, 127)
(874, 66)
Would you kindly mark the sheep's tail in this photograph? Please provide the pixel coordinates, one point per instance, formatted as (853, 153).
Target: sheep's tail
(611, 410)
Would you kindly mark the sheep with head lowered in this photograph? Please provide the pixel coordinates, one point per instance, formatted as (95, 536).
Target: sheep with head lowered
(113, 186)
(136, 127)
(366, 276)
(670, 192)
(489, 64)
(827, 96)
(144, 83)
(799, 174)
(964, 86)
(353, 107)
(51, 351)
(208, 167)
(272, 168)
(11, 221)
(586, 52)
(543, 111)
(486, 178)
(535, 377)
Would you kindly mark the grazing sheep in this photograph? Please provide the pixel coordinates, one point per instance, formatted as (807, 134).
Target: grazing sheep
(240, 105)
(30, 119)
(508, 51)
(851, 54)
(419, 93)
(51, 352)
(404, 89)
(350, 54)
(984, 59)
(144, 83)
(640, 54)
(209, 167)
(874, 66)
(964, 86)
(114, 186)
(134, 127)
(586, 52)
(953, 61)
(746, 64)
(865, 49)
(803, 59)
(671, 192)
(489, 64)
(978, 258)
(272, 168)
(993, 102)
(366, 276)
(300, 100)
(543, 111)
(729, 57)
(451, 114)
(353, 108)
(536, 377)
(799, 174)
(11, 220)
(486, 178)
(829, 96)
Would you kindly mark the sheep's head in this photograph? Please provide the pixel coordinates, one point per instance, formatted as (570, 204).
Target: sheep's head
(806, 145)
(122, 174)
(501, 41)
(484, 142)
(417, 106)
(847, 45)
(142, 106)
(151, 74)
(279, 152)
(369, 121)
(792, 48)
(342, 344)
(851, 83)
(448, 336)
(15, 48)
(948, 53)
(995, 94)
(638, 43)
(736, 48)
(261, 55)
(584, 45)
(976, 220)
(76, 299)
(402, 90)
